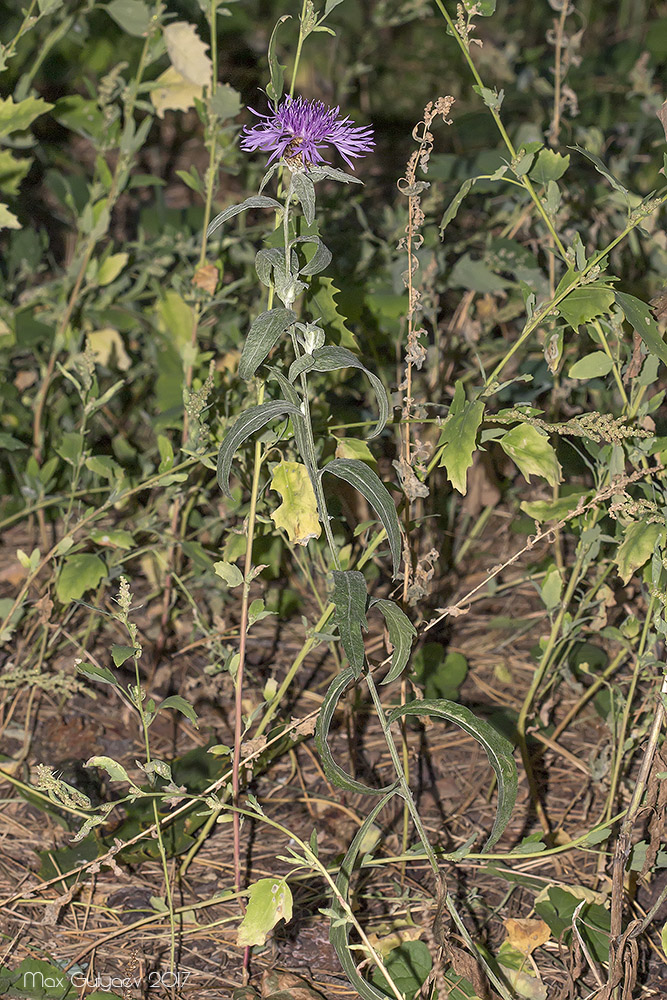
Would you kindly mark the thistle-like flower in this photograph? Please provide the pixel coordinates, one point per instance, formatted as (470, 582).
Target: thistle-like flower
(299, 129)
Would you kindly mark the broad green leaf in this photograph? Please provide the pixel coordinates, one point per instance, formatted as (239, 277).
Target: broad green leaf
(640, 542)
(133, 16)
(497, 748)
(602, 169)
(408, 965)
(33, 979)
(297, 514)
(585, 303)
(304, 190)
(101, 674)
(251, 421)
(263, 336)
(120, 654)
(329, 6)
(321, 301)
(476, 276)
(257, 201)
(12, 171)
(225, 103)
(440, 672)
(553, 510)
(594, 365)
(320, 259)
(79, 574)
(548, 166)
(228, 572)
(401, 635)
(349, 598)
(353, 448)
(639, 316)
(18, 117)
(333, 771)
(270, 901)
(182, 706)
(331, 359)
(458, 435)
(115, 770)
(552, 588)
(556, 907)
(274, 88)
(532, 452)
(359, 475)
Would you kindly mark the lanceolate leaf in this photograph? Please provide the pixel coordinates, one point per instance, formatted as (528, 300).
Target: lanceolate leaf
(359, 475)
(320, 259)
(304, 190)
(301, 365)
(331, 359)
(257, 201)
(333, 771)
(349, 599)
(249, 423)
(264, 334)
(458, 436)
(274, 88)
(401, 635)
(298, 422)
(639, 316)
(498, 750)
(602, 169)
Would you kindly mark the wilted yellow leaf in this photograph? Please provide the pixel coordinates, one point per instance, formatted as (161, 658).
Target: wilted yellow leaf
(188, 53)
(107, 342)
(174, 92)
(384, 944)
(526, 935)
(297, 514)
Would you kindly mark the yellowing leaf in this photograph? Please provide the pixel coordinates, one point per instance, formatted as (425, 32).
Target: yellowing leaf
(7, 219)
(106, 344)
(297, 514)
(385, 944)
(175, 318)
(637, 547)
(174, 92)
(532, 452)
(270, 901)
(188, 53)
(527, 935)
(111, 268)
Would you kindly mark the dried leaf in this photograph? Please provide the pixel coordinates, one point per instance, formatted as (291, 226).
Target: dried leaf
(527, 935)
(206, 277)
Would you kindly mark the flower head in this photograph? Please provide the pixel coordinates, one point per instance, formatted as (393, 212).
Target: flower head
(300, 129)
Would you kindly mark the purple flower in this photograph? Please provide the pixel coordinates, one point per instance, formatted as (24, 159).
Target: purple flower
(300, 129)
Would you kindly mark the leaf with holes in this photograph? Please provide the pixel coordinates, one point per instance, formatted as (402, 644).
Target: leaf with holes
(270, 901)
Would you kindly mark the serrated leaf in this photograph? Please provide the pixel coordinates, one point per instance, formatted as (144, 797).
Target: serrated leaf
(115, 770)
(549, 166)
(602, 169)
(133, 16)
(270, 901)
(349, 598)
(171, 91)
(459, 435)
(401, 635)
(16, 117)
(639, 316)
(297, 514)
(257, 201)
(247, 424)
(304, 191)
(181, 705)
(594, 365)
(359, 475)
(79, 574)
(321, 301)
(331, 359)
(187, 52)
(586, 303)
(639, 543)
(532, 452)
(263, 336)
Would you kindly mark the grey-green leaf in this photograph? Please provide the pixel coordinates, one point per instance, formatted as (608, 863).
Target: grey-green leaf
(298, 422)
(401, 635)
(349, 598)
(274, 88)
(330, 359)
(498, 750)
(182, 706)
(303, 190)
(262, 337)
(359, 475)
(639, 316)
(602, 169)
(257, 201)
(249, 423)
(301, 365)
(320, 259)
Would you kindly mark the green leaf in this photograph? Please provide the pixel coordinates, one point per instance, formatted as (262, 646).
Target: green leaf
(249, 423)
(593, 366)
(18, 117)
(602, 169)
(101, 674)
(333, 771)
(304, 191)
(349, 598)
(111, 268)
(182, 706)
(120, 654)
(401, 635)
(257, 201)
(458, 435)
(331, 359)
(553, 510)
(359, 475)
(297, 514)
(453, 208)
(320, 259)
(298, 422)
(584, 304)
(408, 965)
(115, 770)
(498, 750)
(640, 541)
(270, 901)
(532, 452)
(274, 88)
(231, 574)
(262, 337)
(549, 166)
(133, 16)
(552, 588)
(476, 276)
(321, 301)
(12, 171)
(441, 673)
(556, 907)
(36, 980)
(79, 574)
(225, 103)
(639, 316)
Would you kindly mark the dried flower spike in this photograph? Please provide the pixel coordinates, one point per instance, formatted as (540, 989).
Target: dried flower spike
(299, 129)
